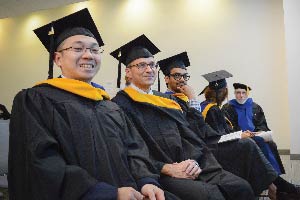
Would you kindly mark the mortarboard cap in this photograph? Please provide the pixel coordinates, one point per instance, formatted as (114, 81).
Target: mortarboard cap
(54, 33)
(241, 86)
(141, 47)
(178, 61)
(217, 79)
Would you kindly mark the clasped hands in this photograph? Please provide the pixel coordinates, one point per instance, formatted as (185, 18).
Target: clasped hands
(188, 169)
(247, 134)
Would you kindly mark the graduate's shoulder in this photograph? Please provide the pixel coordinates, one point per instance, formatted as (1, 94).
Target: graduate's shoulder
(120, 97)
(226, 107)
(110, 105)
(214, 110)
(123, 100)
(254, 104)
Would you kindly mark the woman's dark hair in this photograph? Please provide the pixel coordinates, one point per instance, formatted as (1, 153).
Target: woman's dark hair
(210, 95)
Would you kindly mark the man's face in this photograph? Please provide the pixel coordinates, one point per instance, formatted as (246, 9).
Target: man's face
(142, 77)
(81, 61)
(176, 79)
(240, 95)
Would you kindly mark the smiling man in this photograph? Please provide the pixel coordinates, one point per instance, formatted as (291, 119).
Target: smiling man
(187, 167)
(67, 140)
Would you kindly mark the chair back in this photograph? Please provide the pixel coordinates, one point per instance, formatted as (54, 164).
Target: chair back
(4, 137)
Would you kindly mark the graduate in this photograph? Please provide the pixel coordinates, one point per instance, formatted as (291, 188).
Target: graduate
(67, 139)
(215, 93)
(187, 168)
(245, 114)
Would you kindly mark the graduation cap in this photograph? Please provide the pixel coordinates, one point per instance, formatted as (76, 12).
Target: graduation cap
(53, 34)
(180, 60)
(217, 80)
(241, 86)
(141, 47)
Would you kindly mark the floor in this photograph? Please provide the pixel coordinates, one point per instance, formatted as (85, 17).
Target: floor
(292, 169)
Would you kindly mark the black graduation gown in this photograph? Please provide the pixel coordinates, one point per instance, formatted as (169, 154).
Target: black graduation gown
(64, 146)
(260, 123)
(170, 140)
(240, 157)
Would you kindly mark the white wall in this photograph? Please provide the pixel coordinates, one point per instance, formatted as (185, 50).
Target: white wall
(245, 37)
(292, 37)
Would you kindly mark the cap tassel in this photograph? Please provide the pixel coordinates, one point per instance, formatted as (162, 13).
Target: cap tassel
(217, 91)
(217, 97)
(51, 52)
(119, 70)
(158, 81)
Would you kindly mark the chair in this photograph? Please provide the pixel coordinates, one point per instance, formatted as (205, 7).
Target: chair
(4, 137)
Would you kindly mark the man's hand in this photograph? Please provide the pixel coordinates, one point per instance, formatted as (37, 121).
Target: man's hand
(152, 192)
(192, 168)
(176, 170)
(185, 169)
(187, 91)
(272, 190)
(129, 193)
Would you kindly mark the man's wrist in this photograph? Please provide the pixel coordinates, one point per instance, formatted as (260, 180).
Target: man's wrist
(166, 169)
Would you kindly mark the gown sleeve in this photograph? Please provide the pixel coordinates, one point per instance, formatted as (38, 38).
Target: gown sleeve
(259, 119)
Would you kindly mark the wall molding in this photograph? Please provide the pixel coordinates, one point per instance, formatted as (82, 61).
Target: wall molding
(284, 151)
(295, 157)
(288, 152)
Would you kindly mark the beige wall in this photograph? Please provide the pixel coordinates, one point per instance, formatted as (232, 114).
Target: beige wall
(245, 37)
(292, 33)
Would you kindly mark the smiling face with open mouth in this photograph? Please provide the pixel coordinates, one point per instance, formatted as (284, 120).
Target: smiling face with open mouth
(79, 58)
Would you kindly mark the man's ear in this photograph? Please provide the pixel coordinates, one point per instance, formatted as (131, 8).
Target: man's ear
(167, 78)
(128, 72)
(57, 58)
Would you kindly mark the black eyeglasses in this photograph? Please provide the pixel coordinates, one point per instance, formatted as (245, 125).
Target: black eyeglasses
(143, 65)
(94, 50)
(178, 76)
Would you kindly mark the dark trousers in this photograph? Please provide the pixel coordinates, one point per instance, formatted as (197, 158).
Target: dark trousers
(244, 159)
(229, 187)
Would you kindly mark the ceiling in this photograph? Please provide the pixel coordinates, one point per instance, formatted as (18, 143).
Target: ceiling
(14, 8)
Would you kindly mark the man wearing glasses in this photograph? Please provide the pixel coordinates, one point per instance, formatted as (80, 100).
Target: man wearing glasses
(67, 140)
(176, 77)
(186, 166)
